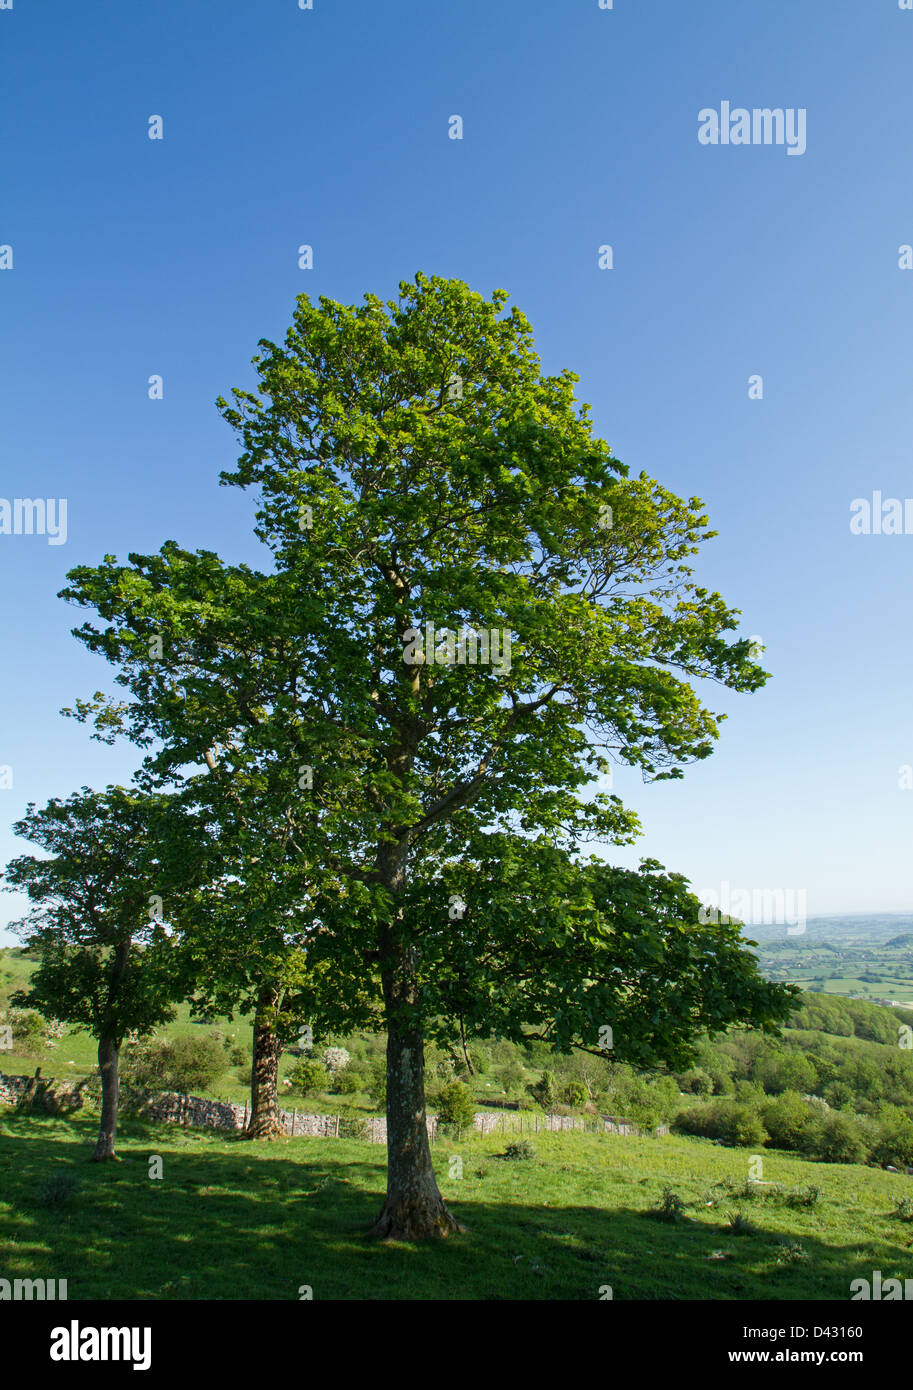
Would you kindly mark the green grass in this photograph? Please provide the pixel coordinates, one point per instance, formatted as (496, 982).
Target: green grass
(236, 1220)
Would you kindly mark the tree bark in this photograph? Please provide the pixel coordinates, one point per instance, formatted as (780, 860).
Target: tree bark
(414, 1208)
(264, 1078)
(108, 1057)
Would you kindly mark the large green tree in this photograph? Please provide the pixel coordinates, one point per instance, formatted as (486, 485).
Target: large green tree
(472, 608)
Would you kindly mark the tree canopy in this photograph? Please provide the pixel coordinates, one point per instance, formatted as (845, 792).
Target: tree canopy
(472, 608)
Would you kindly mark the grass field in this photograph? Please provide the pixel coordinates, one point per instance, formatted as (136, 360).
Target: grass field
(234, 1220)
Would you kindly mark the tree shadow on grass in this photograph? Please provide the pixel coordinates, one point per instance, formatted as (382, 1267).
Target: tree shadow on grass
(274, 1221)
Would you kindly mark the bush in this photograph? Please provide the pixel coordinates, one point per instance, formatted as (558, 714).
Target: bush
(646, 1101)
(696, 1082)
(456, 1106)
(800, 1197)
(893, 1141)
(545, 1091)
(839, 1095)
(671, 1208)
(335, 1059)
(739, 1225)
(308, 1077)
(349, 1082)
(519, 1149)
(791, 1252)
(786, 1071)
(575, 1094)
(184, 1064)
(749, 1092)
(29, 1030)
(789, 1121)
(839, 1140)
(726, 1120)
(510, 1077)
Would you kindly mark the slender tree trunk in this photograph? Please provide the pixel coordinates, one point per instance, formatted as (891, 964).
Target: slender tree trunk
(414, 1208)
(471, 1069)
(108, 1055)
(264, 1077)
(109, 1042)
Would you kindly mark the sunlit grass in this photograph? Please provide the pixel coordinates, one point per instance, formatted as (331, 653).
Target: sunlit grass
(234, 1220)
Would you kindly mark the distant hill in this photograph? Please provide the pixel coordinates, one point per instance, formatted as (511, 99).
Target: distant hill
(849, 928)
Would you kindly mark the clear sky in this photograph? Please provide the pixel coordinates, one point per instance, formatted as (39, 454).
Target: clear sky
(330, 127)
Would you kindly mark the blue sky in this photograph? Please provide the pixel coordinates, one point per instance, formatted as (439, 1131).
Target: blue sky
(329, 127)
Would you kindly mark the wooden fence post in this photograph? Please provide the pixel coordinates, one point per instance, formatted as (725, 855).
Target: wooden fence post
(337, 1126)
(294, 1120)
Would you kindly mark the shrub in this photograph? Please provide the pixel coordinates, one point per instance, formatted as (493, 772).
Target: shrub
(184, 1064)
(510, 1077)
(791, 1252)
(671, 1207)
(903, 1209)
(749, 1092)
(441, 1066)
(786, 1071)
(838, 1094)
(893, 1140)
(696, 1082)
(788, 1120)
(519, 1149)
(456, 1105)
(335, 1059)
(29, 1030)
(839, 1139)
(803, 1196)
(575, 1094)
(739, 1225)
(349, 1082)
(308, 1077)
(726, 1120)
(646, 1101)
(545, 1091)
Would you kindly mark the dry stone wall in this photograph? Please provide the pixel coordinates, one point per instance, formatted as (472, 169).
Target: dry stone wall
(198, 1112)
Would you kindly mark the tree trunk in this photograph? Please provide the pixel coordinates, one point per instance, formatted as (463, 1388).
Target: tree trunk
(108, 1055)
(264, 1077)
(471, 1069)
(414, 1208)
(109, 1041)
